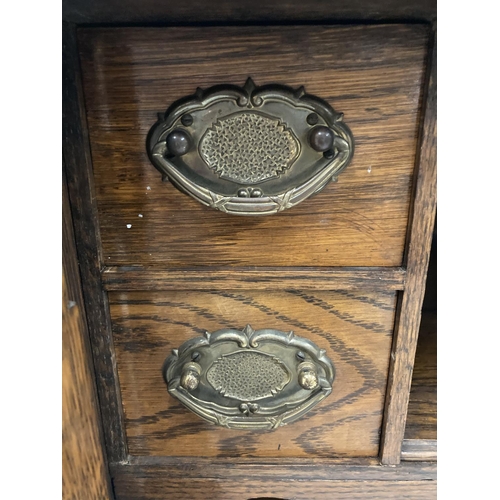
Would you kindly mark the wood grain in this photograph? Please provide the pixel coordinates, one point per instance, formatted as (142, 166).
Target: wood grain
(145, 487)
(224, 11)
(140, 278)
(148, 477)
(372, 73)
(148, 483)
(354, 328)
(84, 469)
(421, 421)
(78, 171)
(408, 322)
(316, 469)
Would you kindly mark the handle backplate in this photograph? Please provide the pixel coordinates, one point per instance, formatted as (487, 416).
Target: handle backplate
(249, 379)
(250, 150)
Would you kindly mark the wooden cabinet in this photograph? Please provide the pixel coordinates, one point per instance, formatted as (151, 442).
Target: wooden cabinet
(345, 269)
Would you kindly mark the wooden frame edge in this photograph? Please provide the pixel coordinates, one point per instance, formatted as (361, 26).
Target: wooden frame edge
(132, 11)
(310, 480)
(140, 278)
(81, 412)
(410, 304)
(78, 171)
(283, 469)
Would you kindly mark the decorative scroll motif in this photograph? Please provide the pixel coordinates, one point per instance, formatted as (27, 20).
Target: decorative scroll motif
(249, 148)
(229, 375)
(249, 379)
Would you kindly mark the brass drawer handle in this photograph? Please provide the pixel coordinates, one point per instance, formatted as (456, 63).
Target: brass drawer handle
(250, 150)
(249, 379)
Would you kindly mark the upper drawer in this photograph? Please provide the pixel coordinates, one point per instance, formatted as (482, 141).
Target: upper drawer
(373, 74)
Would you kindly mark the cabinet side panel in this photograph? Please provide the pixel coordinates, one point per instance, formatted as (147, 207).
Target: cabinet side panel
(85, 472)
(79, 178)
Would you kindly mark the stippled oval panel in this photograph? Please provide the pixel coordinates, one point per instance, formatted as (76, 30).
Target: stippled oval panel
(248, 375)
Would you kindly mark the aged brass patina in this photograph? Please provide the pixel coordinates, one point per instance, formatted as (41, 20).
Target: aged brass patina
(250, 150)
(249, 379)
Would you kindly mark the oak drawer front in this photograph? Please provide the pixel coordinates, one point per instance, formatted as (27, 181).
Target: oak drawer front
(373, 74)
(354, 328)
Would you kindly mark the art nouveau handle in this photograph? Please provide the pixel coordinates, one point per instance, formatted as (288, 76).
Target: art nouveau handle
(249, 379)
(250, 150)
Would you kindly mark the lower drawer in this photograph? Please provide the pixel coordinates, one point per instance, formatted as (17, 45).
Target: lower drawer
(354, 328)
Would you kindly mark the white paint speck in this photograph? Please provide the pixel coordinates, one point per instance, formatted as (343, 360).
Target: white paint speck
(129, 226)
(369, 169)
(149, 188)
(140, 215)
